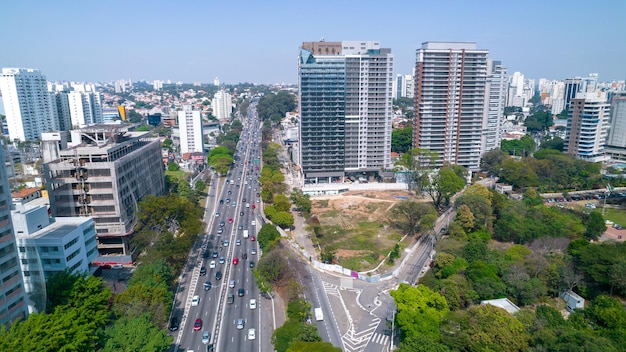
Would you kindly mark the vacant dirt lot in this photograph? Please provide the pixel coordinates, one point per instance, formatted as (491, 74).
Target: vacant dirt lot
(356, 224)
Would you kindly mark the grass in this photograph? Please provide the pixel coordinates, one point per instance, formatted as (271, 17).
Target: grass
(618, 216)
(180, 174)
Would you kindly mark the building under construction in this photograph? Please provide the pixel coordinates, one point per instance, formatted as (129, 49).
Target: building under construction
(102, 173)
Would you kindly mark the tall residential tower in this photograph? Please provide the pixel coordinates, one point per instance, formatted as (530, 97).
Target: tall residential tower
(345, 99)
(587, 126)
(450, 98)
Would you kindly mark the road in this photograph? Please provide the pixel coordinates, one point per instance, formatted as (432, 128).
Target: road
(231, 207)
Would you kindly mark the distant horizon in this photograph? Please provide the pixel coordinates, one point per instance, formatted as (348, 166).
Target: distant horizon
(257, 42)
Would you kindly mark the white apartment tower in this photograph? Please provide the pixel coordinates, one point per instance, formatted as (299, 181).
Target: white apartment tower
(616, 141)
(13, 305)
(345, 99)
(222, 104)
(190, 125)
(587, 126)
(494, 107)
(30, 108)
(450, 96)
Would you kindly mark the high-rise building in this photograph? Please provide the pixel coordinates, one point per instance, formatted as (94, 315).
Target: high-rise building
(450, 96)
(587, 126)
(572, 87)
(190, 126)
(30, 108)
(222, 104)
(157, 85)
(616, 141)
(345, 99)
(103, 173)
(85, 108)
(496, 100)
(13, 305)
(409, 86)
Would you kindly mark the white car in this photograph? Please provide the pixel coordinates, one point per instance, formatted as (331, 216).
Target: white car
(206, 337)
(253, 222)
(212, 264)
(251, 334)
(195, 301)
(247, 205)
(253, 303)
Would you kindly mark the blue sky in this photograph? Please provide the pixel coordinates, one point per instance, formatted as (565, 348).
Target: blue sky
(257, 41)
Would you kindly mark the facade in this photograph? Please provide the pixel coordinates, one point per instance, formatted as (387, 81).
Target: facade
(345, 99)
(47, 246)
(190, 125)
(103, 174)
(494, 108)
(85, 108)
(222, 105)
(30, 109)
(587, 126)
(13, 305)
(616, 142)
(450, 96)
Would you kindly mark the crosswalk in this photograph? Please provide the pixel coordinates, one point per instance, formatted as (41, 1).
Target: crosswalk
(380, 339)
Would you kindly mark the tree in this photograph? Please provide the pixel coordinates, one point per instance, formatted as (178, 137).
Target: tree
(401, 139)
(418, 162)
(539, 121)
(420, 310)
(524, 146)
(300, 200)
(484, 328)
(200, 186)
(283, 219)
(273, 266)
(136, 335)
(595, 226)
(317, 346)
(465, 218)
(134, 116)
(328, 254)
(412, 217)
(267, 235)
(442, 186)
(281, 203)
(556, 143)
(492, 161)
(142, 298)
(172, 166)
(167, 143)
(478, 204)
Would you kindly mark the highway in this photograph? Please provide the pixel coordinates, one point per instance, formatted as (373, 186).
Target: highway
(232, 207)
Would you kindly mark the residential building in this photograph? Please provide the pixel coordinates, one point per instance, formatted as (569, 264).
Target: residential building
(85, 108)
(222, 105)
(13, 305)
(190, 125)
(103, 174)
(345, 99)
(30, 108)
(616, 142)
(572, 87)
(494, 108)
(587, 126)
(157, 85)
(50, 245)
(450, 97)
(403, 86)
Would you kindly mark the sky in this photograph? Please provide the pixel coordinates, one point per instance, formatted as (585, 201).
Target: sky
(257, 41)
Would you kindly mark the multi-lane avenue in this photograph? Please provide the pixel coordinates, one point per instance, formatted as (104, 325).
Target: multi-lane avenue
(220, 299)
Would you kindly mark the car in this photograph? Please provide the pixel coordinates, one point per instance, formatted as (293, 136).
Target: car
(240, 324)
(241, 213)
(252, 303)
(217, 213)
(222, 260)
(206, 337)
(234, 204)
(195, 301)
(230, 192)
(174, 324)
(243, 200)
(252, 263)
(202, 271)
(222, 223)
(220, 231)
(247, 205)
(227, 200)
(207, 285)
(253, 223)
(241, 292)
(251, 334)
(197, 325)
(252, 238)
(231, 284)
(238, 242)
(253, 206)
(221, 201)
(215, 254)
(117, 266)
(245, 256)
(226, 243)
(218, 275)
(230, 220)
(240, 227)
(210, 348)
(253, 251)
(235, 261)
(231, 298)
(105, 266)
(212, 264)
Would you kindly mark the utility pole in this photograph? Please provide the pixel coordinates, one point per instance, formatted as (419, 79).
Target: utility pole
(393, 320)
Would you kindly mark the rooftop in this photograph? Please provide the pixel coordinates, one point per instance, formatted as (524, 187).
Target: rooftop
(503, 303)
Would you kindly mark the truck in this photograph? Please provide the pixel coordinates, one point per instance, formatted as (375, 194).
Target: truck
(245, 234)
(319, 315)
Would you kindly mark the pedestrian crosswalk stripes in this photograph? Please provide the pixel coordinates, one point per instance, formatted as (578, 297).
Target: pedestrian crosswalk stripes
(380, 339)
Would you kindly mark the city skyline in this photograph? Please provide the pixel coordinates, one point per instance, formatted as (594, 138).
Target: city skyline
(258, 42)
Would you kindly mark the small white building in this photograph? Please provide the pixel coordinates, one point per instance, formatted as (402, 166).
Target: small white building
(503, 303)
(48, 245)
(572, 301)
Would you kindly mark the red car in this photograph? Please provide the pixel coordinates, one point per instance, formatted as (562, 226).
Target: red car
(235, 261)
(230, 220)
(253, 206)
(197, 325)
(252, 238)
